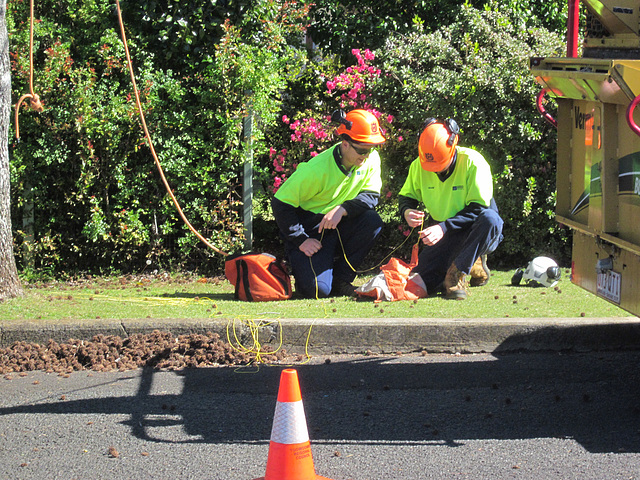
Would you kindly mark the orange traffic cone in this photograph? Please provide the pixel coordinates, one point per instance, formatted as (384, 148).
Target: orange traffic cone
(289, 449)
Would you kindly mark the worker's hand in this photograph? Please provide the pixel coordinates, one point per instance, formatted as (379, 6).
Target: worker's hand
(431, 235)
(310, 246)
(414, 217)
(332, 218)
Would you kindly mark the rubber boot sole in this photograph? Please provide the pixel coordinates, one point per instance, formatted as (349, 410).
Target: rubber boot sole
(456, 295)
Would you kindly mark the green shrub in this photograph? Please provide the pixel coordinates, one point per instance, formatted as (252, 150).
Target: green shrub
(339, 26)
(83, 166)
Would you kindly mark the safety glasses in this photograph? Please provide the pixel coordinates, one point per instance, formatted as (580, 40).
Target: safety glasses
(360, 151)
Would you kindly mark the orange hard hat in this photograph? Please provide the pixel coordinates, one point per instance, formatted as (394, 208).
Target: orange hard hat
(360, 126)
(437, 144)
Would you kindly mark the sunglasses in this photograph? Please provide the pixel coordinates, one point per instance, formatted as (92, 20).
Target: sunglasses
(360, 151)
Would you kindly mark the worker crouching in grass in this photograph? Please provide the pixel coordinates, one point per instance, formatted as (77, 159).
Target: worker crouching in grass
(460, 223)
(325, 210)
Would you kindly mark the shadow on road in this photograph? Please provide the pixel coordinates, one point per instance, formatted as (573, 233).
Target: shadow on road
(593, 398)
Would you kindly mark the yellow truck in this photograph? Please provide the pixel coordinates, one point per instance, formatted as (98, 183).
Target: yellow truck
(598, 150)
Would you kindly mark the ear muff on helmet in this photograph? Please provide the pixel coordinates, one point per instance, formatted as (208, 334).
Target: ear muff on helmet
(338, 116)
(360, 126)
(437, 143)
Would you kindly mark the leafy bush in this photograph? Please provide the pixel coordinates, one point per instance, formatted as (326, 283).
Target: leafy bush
(341, 25)
(84, 163)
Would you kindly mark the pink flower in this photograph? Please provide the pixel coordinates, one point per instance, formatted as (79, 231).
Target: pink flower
(400, 138)
(389, 118)
(283, 151)
(389, 194)
(285, 119)
(272, 152)
(279, 168)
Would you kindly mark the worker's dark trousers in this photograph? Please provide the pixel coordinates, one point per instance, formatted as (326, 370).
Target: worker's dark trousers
(462, 246)
(328, 266)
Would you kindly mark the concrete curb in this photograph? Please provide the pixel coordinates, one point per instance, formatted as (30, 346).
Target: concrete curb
(356, 335)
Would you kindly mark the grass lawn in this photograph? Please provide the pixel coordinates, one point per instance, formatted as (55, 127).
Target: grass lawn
(165, 296)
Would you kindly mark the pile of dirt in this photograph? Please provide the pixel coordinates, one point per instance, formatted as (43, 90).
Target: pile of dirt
(105, 353)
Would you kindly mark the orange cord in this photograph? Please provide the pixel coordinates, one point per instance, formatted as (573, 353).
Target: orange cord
(35, 102)
(148, 137)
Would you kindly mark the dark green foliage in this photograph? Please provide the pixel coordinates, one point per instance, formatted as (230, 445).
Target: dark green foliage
(84, 163)
(341, 25)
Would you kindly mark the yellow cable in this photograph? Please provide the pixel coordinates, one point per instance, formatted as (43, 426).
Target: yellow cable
(381, 262)
(233, 337)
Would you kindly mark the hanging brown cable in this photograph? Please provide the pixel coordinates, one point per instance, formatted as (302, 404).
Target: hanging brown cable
(34, 101)
(148, 137)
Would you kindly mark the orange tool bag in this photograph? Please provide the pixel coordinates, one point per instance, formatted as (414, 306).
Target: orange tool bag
(258, 277)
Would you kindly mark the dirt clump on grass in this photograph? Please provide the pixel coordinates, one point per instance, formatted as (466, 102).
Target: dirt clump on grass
(104, 353)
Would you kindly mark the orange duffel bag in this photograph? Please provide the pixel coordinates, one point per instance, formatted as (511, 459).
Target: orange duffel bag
(258, 277)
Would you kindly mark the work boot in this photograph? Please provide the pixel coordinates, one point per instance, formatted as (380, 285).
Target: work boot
(480, 272)
(343, 289)
(455, 284)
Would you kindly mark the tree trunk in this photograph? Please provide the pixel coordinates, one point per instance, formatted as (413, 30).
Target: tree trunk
(9, 282)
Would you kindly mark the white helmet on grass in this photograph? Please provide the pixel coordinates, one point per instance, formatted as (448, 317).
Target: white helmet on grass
(541, 270)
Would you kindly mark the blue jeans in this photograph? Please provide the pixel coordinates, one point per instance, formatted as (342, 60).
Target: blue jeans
(328, 265)
(461, 247)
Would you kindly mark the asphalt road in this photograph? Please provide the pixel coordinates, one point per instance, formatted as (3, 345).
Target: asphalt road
(521, 416)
